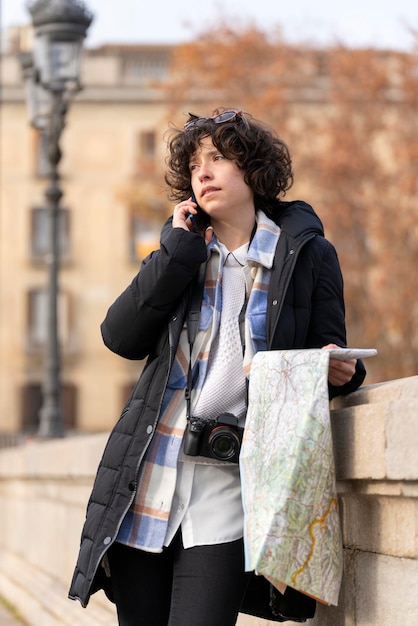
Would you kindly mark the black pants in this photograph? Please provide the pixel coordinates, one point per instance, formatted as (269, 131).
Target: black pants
(200, 586)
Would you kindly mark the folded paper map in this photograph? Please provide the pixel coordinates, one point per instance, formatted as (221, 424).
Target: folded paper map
(292, 527)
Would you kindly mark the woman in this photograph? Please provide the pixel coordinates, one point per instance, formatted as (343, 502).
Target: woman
(164, 528)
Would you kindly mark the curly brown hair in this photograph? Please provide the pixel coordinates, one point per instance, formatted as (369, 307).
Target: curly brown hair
(256, 149)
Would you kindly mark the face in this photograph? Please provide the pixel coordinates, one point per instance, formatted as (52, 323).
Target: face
(219, 185)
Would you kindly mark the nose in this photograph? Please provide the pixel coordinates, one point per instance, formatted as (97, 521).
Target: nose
(204, 172)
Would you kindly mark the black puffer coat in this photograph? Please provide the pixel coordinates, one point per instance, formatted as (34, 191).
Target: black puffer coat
(305, 310)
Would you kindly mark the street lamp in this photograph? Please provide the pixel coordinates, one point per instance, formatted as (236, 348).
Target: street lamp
(52, 77)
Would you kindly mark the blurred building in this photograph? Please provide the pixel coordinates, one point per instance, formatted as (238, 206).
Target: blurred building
(108, 222)
(114, 204)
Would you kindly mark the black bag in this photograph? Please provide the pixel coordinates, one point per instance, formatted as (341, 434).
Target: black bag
(265, 601)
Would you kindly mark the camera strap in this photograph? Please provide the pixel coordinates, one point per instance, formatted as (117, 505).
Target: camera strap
(193, 317)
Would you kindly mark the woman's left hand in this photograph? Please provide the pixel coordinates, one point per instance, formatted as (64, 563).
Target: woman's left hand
(340, 372)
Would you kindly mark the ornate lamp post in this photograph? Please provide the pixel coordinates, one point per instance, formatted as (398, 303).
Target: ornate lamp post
(52, 77)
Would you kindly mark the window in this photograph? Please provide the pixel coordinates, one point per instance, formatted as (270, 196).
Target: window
(145, 68)
(40, 233)
(145, 164)
(144, 233)
(31, 402)
(147, 144)
(37, 320)
(322, 64)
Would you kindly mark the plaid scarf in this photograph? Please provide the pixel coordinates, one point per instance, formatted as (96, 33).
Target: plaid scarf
(145, 524)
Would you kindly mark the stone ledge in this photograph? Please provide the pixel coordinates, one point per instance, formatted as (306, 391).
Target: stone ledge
(375, 432)
(72, 457)
(380, 524)
(43, 600)
(380, 392)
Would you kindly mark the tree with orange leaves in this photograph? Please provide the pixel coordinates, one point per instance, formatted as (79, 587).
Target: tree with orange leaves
(349, 117)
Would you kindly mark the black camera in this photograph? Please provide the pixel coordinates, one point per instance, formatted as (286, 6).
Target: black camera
(217, 439)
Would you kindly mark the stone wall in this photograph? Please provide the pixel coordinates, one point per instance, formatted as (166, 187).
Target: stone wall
(44, 487)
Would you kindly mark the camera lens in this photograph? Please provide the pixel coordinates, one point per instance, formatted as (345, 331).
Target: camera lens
(224, 443)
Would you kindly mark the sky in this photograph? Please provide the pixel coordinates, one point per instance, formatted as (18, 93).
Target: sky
(358, 23)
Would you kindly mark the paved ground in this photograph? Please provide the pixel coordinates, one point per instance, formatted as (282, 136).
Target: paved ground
(7, 618)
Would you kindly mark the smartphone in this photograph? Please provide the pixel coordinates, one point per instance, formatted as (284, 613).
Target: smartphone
(201, 219)
(194, 200)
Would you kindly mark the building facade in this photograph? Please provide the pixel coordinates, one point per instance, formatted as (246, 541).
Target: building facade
(107, 223)
(115, 201)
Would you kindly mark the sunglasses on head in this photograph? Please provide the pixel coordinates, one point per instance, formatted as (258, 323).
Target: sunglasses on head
(227, 116)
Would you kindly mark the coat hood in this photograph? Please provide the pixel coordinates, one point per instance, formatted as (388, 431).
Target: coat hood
(297, 217)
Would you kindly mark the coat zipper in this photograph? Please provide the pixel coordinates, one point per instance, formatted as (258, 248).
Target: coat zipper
(122, 517)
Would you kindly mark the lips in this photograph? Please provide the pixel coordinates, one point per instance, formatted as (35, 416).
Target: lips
(207, 190)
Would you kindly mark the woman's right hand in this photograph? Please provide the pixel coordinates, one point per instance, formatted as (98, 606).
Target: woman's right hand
(182, 214)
